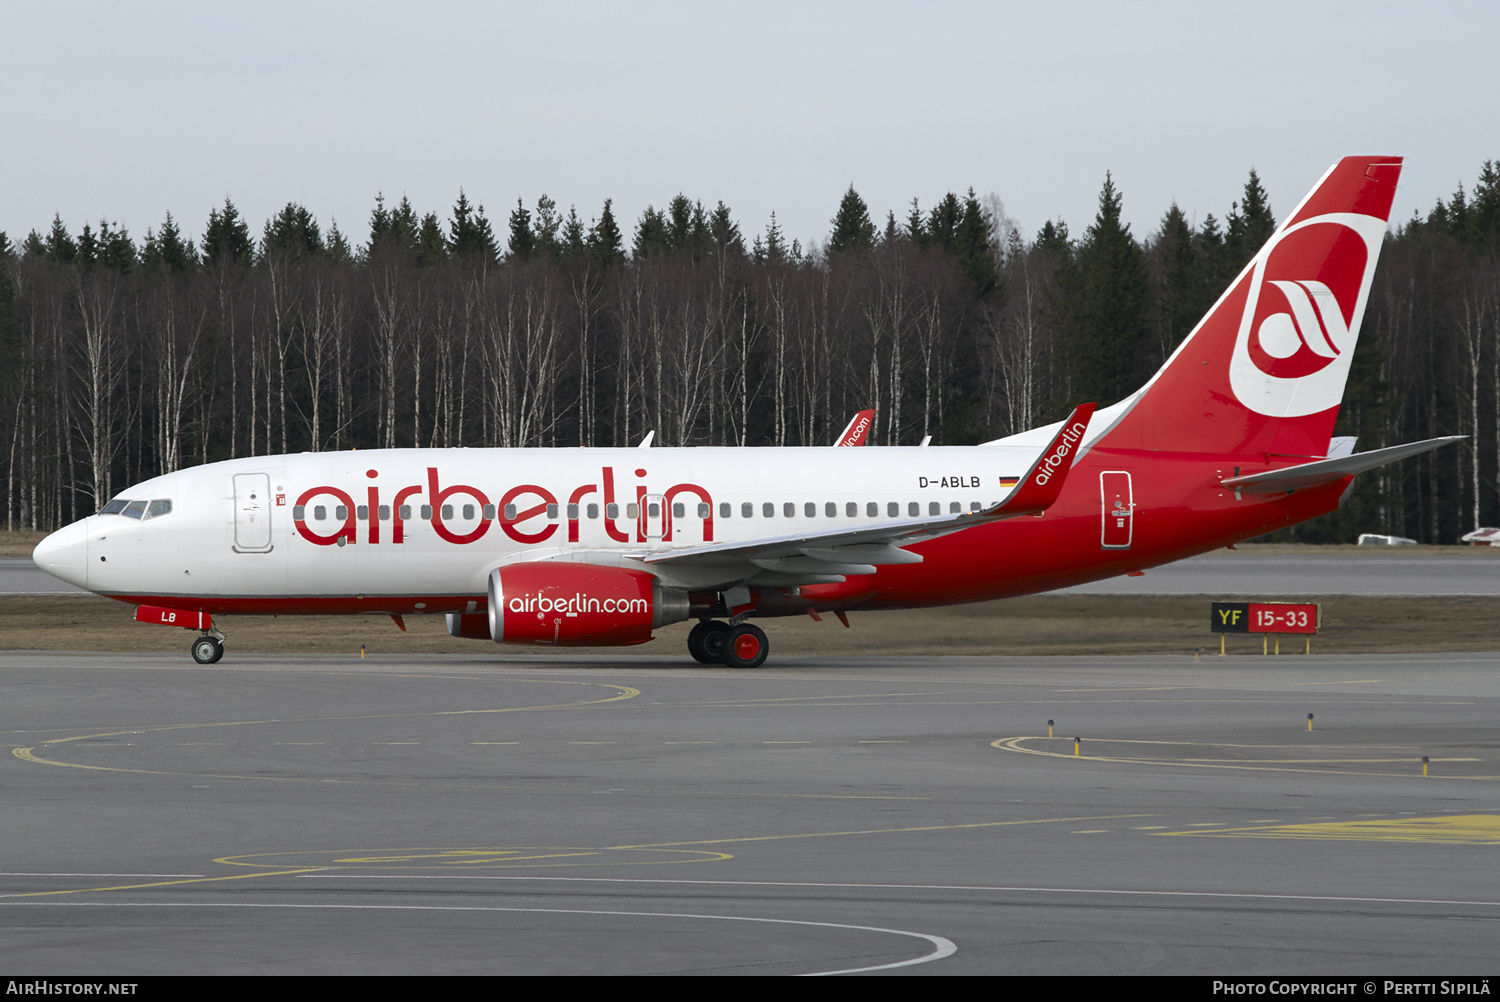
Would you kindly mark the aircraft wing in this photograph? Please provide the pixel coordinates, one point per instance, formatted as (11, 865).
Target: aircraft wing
(825, 554)
(1325, 471)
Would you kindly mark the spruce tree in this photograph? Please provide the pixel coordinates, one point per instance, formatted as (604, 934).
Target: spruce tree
(1250, 222)
(1180, 278)
(226, 240)
(971, 243)
(294, 232)
(852, 229)
(469, 234)
(775, 250)
(380, 222)
(651, 234)
(166, 250)
(336, 247)
(1109, 316)
(574, 238)
(942, 224)
(430, 248)
(59, 246)
(724, 231)
(544, 229)
(1484, 215)
(521, 240)
(605, 240)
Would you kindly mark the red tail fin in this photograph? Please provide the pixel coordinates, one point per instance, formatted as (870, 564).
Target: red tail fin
(1264, 371)
(858, 429)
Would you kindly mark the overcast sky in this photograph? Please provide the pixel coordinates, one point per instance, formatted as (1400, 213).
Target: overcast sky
(133, 110)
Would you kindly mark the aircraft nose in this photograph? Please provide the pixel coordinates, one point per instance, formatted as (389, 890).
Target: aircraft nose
(64, 554)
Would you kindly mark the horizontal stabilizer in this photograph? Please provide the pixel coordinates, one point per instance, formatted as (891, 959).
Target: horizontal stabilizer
(1326, 471)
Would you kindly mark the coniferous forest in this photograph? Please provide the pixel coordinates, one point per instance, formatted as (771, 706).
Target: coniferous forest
(125, 357)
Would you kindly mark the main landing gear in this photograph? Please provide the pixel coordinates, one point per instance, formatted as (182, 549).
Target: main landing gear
(712, 642)
(207, 649)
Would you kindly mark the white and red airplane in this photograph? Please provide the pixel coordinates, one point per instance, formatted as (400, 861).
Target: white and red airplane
(1232, 438)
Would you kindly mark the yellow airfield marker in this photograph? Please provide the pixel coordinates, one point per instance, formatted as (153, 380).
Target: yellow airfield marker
(1077, 743)
(1049, 728)
(1424, 765)
(1309, 721)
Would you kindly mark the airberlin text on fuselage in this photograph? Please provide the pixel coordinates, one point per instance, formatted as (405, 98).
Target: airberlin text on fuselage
(1070, 438)
(528, 500)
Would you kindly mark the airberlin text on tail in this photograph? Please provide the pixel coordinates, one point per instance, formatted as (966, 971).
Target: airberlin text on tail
(1044, 482)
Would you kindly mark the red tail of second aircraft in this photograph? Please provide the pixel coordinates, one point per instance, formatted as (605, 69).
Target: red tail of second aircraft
(1263, 373)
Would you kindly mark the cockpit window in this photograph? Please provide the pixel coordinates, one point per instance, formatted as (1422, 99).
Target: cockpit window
(134, 509)
(161, 506)
(114, 507)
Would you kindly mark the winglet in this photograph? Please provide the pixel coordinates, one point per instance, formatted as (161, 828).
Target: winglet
(858, 429)
(1044, 481)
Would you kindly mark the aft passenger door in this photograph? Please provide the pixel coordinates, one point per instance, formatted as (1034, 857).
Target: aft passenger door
(252, 513)
(1118, 512)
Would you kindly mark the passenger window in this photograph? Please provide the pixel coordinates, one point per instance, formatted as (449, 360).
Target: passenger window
(654, 510)
(299, 512)
(320, 512)
(134, 509)
(632, 511)
(811, 510)
(593, 511)
(724, 509)
(973, 505)
(747, 510)
(892, 508)
(913, 509)
(788, 509)
(679, 509)
(489, 512)
(872, 509)
(341, 513)
(704, 510)
(573, 512)
(114, 507)
(385, 513)
(406, 513)
(831, 509)
(468, 511)
(768, 510)
(954, 508)
(510, 513)
(934, 507)
(427, 513)
(611, 511)
(851, 509)
(552, 511)
(362, 512)
(161, 506)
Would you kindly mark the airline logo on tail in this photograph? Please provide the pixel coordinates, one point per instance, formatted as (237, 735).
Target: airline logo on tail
(1301, 320)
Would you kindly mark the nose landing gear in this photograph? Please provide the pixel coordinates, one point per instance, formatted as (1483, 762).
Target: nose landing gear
(207, 649)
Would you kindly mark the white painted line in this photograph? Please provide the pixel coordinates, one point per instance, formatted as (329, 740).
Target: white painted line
(942, 947)
(914, 887)
(101, 874)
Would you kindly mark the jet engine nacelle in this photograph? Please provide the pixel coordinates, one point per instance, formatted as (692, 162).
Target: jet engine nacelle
(579, 605)
(469, 625)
